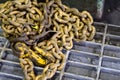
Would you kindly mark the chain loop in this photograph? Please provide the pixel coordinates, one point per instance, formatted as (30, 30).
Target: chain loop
(38, 31)
(27, 67)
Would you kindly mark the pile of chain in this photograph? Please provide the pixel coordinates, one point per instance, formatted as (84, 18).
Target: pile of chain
(38, 31)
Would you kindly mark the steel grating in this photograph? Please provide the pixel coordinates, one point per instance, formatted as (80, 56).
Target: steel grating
(96, 60)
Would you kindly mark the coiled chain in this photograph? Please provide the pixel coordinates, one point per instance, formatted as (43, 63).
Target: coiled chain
(38, 31)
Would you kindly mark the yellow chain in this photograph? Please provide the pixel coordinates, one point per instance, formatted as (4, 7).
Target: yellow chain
(22, 20)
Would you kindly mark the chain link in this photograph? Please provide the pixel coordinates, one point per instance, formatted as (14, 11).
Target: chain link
(27, 67)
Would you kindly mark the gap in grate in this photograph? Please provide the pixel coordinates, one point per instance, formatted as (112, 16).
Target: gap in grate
(87, 47)
(109, 75)
(111, 63)
(78, 69)
(2, 41)
(10, 68)
(8, 55)
(0, 51)
(112, 51)
(99, 27)
(113, 35)
(83, 58)
(114, 30)
(113, 40)
(98, 38)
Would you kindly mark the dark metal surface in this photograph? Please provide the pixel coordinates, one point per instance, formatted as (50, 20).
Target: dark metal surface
(111, 12)
(95, 7)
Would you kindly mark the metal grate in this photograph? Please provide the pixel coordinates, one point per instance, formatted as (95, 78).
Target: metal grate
(97, 60)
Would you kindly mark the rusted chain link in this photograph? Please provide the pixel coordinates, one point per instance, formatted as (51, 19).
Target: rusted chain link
(38, 31)
(27, 56)
(27, 67)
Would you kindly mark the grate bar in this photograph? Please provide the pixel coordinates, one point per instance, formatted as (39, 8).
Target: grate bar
(111, 58)
(110, 70)
(101, 23)
(82, 52)
(11, 75)
(84, 64)
(101, 56)
(62, 72)
(112, 46)
(99, 33)
(3, 49)
(114, 36)
(9, 62)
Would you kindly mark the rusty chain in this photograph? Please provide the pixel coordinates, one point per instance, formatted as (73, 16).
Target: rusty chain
(38, 31)
(27, 67)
